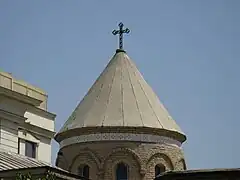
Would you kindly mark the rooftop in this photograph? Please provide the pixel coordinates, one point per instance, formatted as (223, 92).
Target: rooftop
(120, 97)
(200, 173)
(9, 82)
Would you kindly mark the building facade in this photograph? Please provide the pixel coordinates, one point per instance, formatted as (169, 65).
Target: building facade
(26, 131)
(26, 127)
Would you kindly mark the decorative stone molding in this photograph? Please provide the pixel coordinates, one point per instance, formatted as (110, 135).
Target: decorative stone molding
(146, 138)
(90, 153)
(164, 157)
(124, 158)
(126, 150)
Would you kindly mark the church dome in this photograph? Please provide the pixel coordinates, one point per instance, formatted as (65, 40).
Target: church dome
(120, 129)
(120, 99)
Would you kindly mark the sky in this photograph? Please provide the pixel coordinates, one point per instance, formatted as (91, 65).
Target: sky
(188, 51)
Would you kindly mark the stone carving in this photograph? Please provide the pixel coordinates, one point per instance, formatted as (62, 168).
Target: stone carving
(166, 159)
(126, 150)
(146, 138)
(91, 154)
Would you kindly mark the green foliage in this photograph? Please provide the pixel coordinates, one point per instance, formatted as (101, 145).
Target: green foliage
(48, 176)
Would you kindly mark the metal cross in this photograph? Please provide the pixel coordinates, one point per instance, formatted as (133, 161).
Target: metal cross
(120, 32)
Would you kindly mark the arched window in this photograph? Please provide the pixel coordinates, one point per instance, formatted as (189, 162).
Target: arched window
(83, 171)
(122, 172)
(159, 169)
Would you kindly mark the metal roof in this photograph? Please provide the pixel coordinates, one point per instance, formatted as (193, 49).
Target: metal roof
(10, 160)
(121, 97)
(221, 173)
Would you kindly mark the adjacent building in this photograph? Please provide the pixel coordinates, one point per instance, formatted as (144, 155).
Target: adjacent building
(26, 130)
(26, 127)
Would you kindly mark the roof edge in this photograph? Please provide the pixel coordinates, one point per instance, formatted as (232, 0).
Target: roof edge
(199, 172)
(139, 130)
(20, 97)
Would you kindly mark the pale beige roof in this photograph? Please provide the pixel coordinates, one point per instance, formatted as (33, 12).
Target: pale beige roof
(121, 97)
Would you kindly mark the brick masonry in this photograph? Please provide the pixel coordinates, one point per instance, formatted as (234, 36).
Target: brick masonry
(102, 158)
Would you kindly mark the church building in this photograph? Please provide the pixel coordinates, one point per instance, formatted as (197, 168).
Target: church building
(119, 131)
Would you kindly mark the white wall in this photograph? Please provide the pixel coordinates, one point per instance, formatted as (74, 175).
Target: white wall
(40, 121)
(43, 145)
(13, 126)
(8, 135)
(22, 146)
(45, 150)
(13, 106)
(12, 129)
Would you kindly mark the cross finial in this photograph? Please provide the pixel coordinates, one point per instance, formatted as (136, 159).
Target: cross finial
(121, 31)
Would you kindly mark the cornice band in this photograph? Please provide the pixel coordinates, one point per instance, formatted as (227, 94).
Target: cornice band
(99, 137)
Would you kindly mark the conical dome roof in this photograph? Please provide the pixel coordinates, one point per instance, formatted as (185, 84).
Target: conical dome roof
(120, 97)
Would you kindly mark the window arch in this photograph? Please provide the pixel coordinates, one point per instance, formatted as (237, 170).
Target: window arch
(122, 171)
(159, 169)
(83, 170)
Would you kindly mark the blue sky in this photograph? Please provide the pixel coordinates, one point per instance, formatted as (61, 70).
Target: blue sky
(188, 51)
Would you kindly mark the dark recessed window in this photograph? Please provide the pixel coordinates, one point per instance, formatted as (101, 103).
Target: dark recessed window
(30, 149)
(83, 171)
(159, 169)
(122, 172)
(19, 143)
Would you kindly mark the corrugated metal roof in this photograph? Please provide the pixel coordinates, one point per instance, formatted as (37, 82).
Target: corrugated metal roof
(9, 160)
(121, 97)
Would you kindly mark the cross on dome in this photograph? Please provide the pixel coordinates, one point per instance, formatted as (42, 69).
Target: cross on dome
(121, 31)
